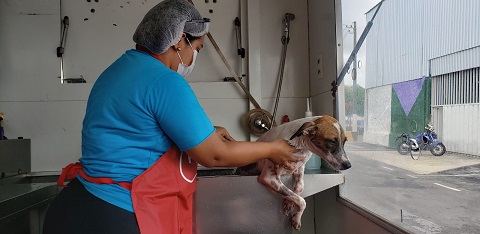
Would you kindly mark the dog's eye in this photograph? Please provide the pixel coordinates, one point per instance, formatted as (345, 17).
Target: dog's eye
(332, 142)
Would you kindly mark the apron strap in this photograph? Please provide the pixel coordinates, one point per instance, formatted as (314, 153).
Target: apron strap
(73, 169)
(69, 173)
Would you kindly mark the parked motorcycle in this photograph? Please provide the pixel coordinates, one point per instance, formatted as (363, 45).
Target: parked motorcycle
(426, 140)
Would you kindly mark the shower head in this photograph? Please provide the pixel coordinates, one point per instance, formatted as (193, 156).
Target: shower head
(286, 21)
(289, 16)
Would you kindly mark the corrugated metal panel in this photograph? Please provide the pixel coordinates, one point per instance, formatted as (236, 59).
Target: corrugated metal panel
(451, 26)
(460, 128)
(456, 110)
(462, 60)
(460, 87)
(437, 120)
(407, 34)
(394, 44)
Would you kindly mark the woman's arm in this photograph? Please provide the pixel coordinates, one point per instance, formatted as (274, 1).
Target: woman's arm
(214, 152)
(223, 134)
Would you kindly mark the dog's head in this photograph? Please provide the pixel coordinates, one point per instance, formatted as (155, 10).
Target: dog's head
(324, 136)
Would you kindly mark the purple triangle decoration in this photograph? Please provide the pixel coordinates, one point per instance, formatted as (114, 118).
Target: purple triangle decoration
(408, 92)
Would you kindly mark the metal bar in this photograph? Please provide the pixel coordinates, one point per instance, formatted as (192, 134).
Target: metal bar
(232, 72)
(469, 95)
(477, 85)
(457, 87)
(357, 47)
(444, 93)
(461, 87)
(434, 91)
(62, 72)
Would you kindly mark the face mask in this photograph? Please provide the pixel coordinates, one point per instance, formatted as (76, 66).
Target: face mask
(183, 69)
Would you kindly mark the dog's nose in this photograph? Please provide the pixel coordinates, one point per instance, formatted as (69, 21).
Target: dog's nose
(346, 165)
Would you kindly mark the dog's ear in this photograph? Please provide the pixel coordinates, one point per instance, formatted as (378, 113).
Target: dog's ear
(306, 129)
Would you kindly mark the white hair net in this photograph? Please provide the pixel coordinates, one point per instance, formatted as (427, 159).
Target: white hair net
(164, 24)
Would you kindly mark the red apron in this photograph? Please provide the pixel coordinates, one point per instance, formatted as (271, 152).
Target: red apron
(162, 195)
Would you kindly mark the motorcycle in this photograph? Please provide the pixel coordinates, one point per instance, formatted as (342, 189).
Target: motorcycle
(423, 141)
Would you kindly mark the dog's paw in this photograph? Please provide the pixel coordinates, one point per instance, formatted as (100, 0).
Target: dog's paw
(296, 223)
(288, 206)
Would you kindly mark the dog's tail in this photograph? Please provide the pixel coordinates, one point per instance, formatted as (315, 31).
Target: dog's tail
(248, 170)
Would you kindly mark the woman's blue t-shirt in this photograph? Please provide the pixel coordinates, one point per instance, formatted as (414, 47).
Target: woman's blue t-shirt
(137, 109)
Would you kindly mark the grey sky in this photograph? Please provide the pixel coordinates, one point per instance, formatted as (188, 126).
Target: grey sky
(354, 10)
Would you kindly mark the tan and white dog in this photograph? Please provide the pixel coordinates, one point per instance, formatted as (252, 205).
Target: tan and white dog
(321, 135)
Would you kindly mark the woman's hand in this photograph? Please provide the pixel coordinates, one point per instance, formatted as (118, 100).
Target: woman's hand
(283, 154)
(223, 134)
(220, 150)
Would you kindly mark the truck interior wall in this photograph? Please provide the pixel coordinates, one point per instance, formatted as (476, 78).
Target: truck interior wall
(326, 55)
(49, 113)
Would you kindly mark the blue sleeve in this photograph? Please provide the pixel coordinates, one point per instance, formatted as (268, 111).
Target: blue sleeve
(178, 112)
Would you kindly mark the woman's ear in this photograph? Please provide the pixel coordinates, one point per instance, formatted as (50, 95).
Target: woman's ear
(177, 47)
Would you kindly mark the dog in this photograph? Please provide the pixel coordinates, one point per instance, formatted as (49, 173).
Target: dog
(321, 135)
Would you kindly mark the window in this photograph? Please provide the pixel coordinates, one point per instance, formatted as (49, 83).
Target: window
(421, 67)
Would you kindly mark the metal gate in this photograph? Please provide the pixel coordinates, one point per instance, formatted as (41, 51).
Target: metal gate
(456, 110)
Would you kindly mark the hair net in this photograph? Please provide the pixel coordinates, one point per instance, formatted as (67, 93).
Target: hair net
(164, 24)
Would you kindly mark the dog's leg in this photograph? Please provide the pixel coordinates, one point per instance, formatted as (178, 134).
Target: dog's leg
(297, 178)
(298, 185)
(270, 177)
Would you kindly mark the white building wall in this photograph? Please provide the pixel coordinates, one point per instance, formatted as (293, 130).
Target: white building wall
(460, 128)
(408, 34)
(453, 50)
(378, 115)
(455, 109)
(394, 45)
(451, 26)
(458, 61)
(436, 38)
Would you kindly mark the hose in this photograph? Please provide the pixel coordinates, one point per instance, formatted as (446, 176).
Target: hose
(285, 40)
(280, 81)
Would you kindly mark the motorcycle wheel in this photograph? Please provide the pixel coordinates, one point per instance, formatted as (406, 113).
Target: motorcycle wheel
(438, 150)
(415, 153)
(403, 148)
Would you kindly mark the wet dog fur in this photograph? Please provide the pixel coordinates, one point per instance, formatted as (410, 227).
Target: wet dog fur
(320, 135)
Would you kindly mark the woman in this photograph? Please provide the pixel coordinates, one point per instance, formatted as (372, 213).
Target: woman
(143, 134)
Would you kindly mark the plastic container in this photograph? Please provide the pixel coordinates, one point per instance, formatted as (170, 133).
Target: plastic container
(315, 162)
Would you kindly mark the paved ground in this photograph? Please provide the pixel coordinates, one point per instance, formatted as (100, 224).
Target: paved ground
(426, 164)
(432, 195)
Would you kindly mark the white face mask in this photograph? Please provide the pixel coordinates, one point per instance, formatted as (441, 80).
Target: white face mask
(183, 69)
